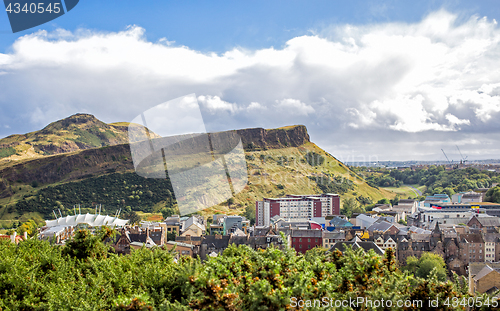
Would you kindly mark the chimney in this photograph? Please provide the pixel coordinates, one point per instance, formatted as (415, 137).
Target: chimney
(13, 237)
(25, 235)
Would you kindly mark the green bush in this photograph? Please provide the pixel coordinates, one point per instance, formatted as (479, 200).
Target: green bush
(83, 276)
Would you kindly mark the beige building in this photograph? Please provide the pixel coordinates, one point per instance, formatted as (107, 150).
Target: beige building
(182, 249)
(484, 277)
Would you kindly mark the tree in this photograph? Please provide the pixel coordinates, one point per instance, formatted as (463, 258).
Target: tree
(132, 217)
(171, 235)
(429, 262)
(395, 201)
(86, 245)
(349, 206)
(364, 200)
(30, 227)
(384, 201)
(167, 212)
(423, 266)
(411, 264)
(249, 214)
(493, 195)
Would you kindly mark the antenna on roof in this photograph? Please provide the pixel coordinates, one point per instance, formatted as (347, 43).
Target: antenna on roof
(60, 212)
(119, 212)
(79, 210)
(54, 214)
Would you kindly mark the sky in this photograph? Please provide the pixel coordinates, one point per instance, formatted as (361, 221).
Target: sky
(371, 80)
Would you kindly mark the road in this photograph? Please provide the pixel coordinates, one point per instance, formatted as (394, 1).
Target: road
(417, 192)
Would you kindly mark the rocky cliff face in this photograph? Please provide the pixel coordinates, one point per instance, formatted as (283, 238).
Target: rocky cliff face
(117, 158)
(258, 138)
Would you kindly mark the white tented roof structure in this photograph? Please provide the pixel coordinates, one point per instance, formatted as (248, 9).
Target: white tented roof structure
(90, 219)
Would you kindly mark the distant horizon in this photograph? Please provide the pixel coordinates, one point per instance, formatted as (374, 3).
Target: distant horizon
(443, 161)
(387, 79)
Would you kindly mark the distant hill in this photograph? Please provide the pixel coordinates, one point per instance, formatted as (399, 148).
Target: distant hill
(68, 169)
(75, 133)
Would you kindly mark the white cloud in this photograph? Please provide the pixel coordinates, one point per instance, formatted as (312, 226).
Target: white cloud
(214, 103)
(256, 106)
(294, 106)
(436, 75)
(456, 121)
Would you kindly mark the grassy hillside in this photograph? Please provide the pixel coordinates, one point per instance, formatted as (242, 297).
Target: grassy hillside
(279, 161)
(276, 172)
(75, 133)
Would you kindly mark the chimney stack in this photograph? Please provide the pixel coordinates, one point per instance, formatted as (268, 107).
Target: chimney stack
(25, 235)
(13, 237)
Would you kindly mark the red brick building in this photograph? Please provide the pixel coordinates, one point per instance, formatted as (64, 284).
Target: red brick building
(304, 240)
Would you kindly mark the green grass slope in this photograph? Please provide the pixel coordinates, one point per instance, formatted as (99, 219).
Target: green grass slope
(279, 162)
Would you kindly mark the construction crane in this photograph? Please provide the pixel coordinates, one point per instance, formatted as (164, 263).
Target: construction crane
(463, 159)
(446, 156)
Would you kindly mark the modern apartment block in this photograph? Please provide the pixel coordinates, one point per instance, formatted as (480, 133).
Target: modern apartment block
(297, 207)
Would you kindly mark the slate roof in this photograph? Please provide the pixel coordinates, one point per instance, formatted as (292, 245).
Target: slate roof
(307, 233)
(421, 246)
(406, 201)
(357, 244)
(340, 222)
(216, 242)
(471, 238)
(419, 230)
(191, 246)
(334, 235)
(193, 220)
(489, 221)
(484, 272)
(382, 226)
(261, 231)
(366, 218)
(492, 237)
(476, 267)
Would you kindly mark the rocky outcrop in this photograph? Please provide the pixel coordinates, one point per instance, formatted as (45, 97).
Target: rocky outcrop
(117, 158)
(259, 138)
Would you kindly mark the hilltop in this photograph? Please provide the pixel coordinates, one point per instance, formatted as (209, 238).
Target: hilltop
(75, 133)
(279, 161)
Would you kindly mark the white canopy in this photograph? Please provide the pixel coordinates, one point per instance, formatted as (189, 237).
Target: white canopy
(90, 219)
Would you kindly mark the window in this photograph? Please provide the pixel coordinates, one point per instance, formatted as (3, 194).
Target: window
(316, 240)
(300, 239)
(308, 240)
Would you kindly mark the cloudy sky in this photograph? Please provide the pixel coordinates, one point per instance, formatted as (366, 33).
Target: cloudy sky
(370, 80)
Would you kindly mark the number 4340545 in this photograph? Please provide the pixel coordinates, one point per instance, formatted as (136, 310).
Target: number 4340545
(34, 8)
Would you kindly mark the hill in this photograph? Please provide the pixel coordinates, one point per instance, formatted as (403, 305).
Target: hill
(75, 133)
(279, 161)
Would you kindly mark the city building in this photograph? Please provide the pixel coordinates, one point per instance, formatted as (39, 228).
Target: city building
(297, 207)
(437, 198)
(304, 240)
(484, 277)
